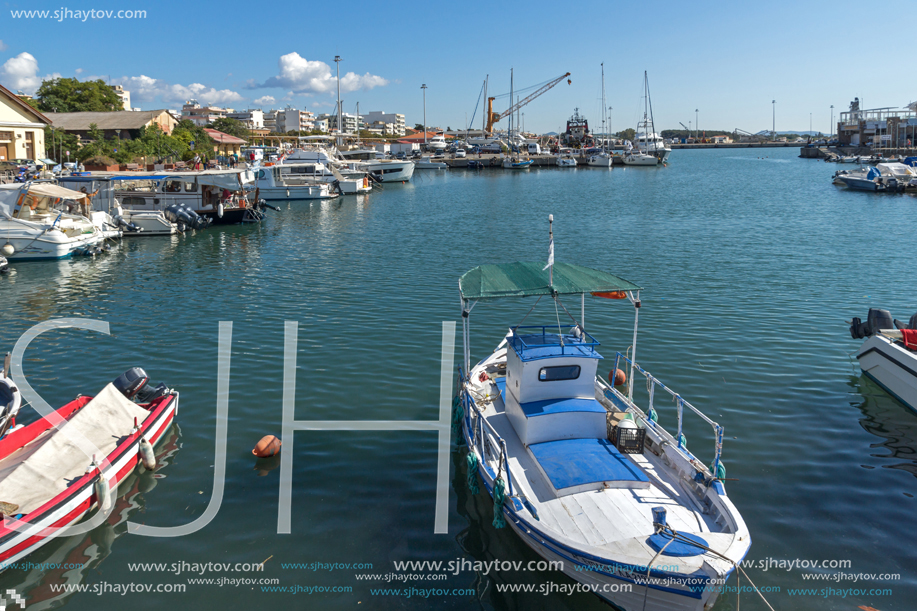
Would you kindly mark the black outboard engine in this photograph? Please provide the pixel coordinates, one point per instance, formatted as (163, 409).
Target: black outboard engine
(912, 323)
(183, 216)
(134, 384)
(876, 319)
(4, 265)
(123, 224)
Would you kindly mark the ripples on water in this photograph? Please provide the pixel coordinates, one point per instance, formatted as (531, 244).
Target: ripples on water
(751, 266)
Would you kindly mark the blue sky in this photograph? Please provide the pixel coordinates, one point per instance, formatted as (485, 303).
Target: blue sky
(726, 59)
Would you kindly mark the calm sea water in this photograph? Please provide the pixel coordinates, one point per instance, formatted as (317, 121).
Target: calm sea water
(750, 263)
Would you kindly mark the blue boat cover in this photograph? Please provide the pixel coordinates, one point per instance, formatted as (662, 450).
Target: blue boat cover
(560, 406)
(873, 173)
(676, 548)
(574, 462)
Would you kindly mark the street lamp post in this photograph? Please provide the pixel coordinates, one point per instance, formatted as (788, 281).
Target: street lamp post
(609, 121)
(424, 87)
(831, 131)
(810, 124)
(774, 120)
(695, 125)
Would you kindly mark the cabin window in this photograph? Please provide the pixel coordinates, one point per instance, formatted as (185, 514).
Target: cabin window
(133, 202)
(190, 187)
(561, 372)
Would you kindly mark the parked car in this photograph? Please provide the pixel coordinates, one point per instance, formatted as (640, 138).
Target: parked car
(417, 154)
(439, 155)
(28, 164)
(401, 155)
(459, 153)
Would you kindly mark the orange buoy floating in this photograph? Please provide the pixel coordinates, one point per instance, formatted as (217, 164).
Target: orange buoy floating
(617, 377)
(268, 446)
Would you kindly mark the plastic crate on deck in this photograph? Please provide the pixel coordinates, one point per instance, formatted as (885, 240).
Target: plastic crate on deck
(629, 440)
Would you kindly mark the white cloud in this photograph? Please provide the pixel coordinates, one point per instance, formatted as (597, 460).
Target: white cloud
(146, 89)
(3, 46)
(266, 100)
(301, 75)
(21, 73)
(79, 71)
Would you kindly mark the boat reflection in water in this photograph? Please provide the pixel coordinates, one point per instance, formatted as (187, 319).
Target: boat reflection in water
(43, 587)
(888, 419)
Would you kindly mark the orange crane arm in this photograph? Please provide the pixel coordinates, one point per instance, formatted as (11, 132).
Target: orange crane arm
(493, 117)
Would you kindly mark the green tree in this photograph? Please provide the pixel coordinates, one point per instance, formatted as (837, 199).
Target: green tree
(231, 127)
(627, 134)
(72, 95)
(418, 127)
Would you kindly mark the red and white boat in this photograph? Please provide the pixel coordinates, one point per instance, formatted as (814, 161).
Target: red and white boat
(47, 482)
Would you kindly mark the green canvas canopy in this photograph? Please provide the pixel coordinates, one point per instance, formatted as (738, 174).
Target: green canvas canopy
(526, 279)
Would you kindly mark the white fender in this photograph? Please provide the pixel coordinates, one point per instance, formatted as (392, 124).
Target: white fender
(146, 454)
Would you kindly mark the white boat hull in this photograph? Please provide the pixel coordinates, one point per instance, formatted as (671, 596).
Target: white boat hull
(565, 162)
(316, 191)
(641, 160)
(599, 161)
(389, 171)
(891, 366)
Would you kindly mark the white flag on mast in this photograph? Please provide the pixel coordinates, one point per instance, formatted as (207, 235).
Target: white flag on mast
(550, 254)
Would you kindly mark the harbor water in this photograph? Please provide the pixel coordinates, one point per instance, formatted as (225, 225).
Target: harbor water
(751, 261)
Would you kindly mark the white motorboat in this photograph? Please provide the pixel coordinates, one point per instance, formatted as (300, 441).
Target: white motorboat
(581, 473)
(565, 160)
(426, 163)
(380, 170)
(274, 184)
(437, 142)
(45, 221)
(116, 195)
(889, 355)
(347, 182)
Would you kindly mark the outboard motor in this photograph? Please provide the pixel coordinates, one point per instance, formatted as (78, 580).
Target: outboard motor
(199, 222)
(912, 323)
(182, 215)
(4, 265)
(134, 384)
(875, 320)
(123, 224)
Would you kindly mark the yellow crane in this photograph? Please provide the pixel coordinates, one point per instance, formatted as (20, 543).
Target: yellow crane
(493, 117)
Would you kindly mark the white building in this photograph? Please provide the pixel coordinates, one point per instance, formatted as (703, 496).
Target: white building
(124, 95)
(201, 115)
(378, 116)
(321, 125)
(292, 120)
(352, 123)
(252, 118)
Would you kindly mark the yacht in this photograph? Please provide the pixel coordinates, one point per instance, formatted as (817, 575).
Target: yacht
(426, 163)
(888, 355)
(635, 157)
(437, 142)
(647, 140)
(44, 221)
(565, 160)
(360, 160)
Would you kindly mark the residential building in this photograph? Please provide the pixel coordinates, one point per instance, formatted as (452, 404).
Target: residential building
(123, 124)
(321, 125)
(124, 95)
(252, 118)
(293, 120)
(394, 118)
(270, 120)
(201, 115)
(22, 134)
(381, 128)
(351, 122)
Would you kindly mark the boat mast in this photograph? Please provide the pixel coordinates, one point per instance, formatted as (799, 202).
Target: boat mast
(604, 135)
(650, 102)
(337, 62)
(511, 116)
(485, 113)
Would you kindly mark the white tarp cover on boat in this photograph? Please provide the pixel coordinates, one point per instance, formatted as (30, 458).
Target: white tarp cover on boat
(41, 470)
(9, 195)
(898, 170)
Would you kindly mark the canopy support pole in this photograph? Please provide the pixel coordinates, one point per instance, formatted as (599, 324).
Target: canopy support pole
(582, 315)
(633, 356)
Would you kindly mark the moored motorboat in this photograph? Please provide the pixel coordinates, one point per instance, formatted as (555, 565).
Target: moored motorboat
(517, 163)
(637, 158)
(582, 474)
(427, 163)
(47, 480)
(44, 221)
(888, 355)
(599, 160)
(565, 160)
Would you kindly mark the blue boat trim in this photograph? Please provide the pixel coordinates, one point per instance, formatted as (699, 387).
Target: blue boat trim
(669, 546)
(549, 407)
(575, 462)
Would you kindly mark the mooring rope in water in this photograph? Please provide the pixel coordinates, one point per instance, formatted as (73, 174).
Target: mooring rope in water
(458, 415)
(472, 478)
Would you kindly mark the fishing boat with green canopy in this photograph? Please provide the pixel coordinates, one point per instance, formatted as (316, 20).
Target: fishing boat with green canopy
(582, 474)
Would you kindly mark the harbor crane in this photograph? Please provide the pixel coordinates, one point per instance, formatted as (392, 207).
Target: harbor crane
(493, 117)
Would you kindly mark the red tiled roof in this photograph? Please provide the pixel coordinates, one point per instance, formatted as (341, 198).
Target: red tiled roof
(222, 138)
(418, 137)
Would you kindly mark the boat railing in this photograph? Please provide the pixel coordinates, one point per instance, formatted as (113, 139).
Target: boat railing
(485, 436)
(550, 337)
(680, 404)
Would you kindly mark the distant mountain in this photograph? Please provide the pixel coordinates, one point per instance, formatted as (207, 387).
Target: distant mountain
(549, 134)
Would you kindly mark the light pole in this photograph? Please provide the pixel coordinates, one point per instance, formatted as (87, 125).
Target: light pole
(831, 126)
(810, 124)
(695, 125)
(337, 64)
(424, 87)
(609, 121)
(774, 120)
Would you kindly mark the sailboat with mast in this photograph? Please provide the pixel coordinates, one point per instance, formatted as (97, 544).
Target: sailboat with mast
(603, 159)
(650, 148)
(515, 161)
